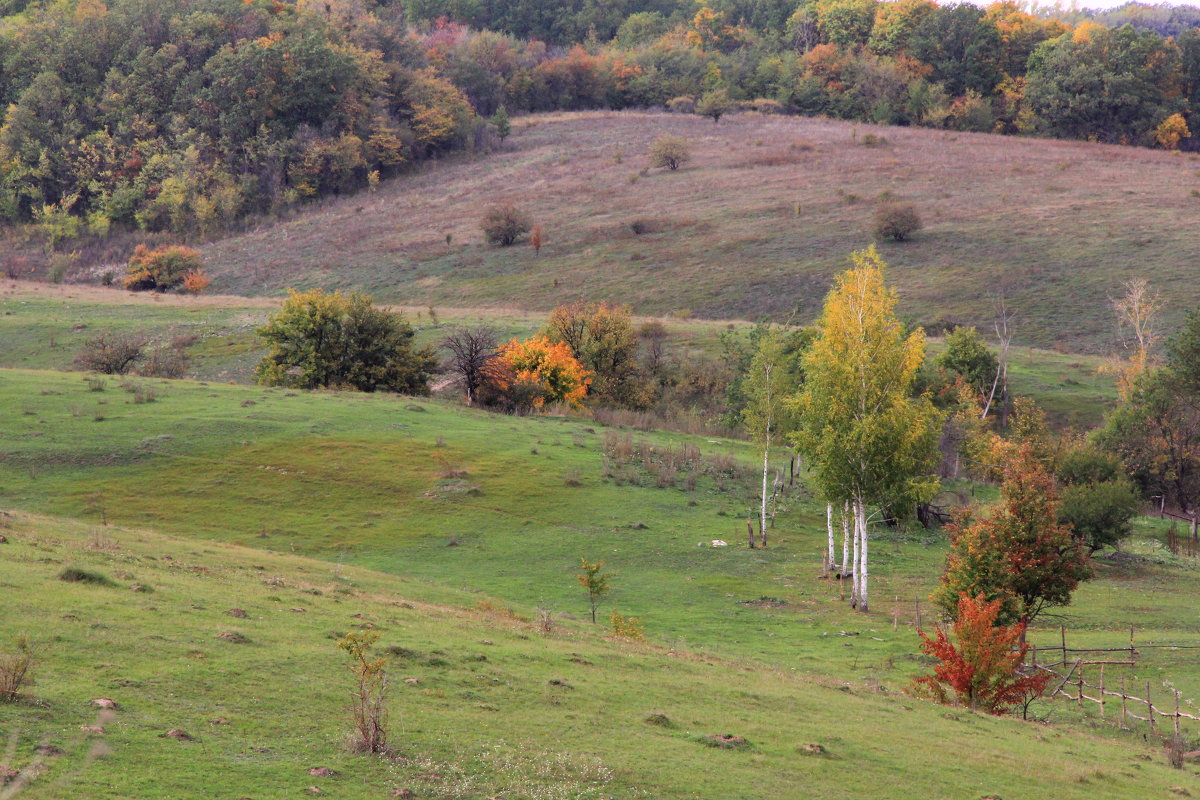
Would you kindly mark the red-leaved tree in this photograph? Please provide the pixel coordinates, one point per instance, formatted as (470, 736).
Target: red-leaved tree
(983, 670)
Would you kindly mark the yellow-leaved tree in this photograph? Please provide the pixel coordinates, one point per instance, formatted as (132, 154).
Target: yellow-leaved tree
(870, 442)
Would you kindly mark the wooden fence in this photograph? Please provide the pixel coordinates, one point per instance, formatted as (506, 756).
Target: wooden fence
(1073, 685)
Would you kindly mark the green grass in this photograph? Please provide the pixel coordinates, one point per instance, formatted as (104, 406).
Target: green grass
(495, 708)
(479, 502)
(42, 327)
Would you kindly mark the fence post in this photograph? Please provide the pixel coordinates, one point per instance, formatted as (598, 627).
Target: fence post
(1102, 691)
(1063, 632)
(1124, 706)
(1176, 713)
(1034, 649)
(1079, 665)
(1149, 707)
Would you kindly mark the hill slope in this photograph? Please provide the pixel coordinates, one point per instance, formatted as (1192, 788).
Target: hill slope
(1055, 225)
(493, 708)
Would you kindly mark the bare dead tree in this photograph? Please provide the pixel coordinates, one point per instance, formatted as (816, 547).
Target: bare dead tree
(1003, 326)
(472, 350)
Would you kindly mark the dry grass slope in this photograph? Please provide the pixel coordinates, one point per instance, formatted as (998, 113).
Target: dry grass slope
(759, 221)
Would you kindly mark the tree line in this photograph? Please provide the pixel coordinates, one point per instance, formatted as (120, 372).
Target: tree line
(149, 116)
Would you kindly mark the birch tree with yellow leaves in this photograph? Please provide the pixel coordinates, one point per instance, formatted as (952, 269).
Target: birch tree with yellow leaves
(870, 443)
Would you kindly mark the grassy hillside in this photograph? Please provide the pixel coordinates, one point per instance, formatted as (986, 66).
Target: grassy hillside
(42, 326)
(483, 705)
(507, 506)
(1055, 225)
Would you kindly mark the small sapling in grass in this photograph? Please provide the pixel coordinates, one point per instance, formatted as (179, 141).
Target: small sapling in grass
(369, 705)
(594, 581)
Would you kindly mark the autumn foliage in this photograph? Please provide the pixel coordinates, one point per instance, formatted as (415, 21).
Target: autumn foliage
(1019, 556)
(160, 268)
(195, 281)
(548, 367)
(983, 670)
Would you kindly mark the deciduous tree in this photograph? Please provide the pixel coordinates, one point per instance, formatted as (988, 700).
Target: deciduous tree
(1019, 554)
(869, 441)
(767, 415)
(549, 368)
(594, 582)
(966, 354)
(321, 339)
(161, 268)
(984, 670)
(472, 352)
(602, 338)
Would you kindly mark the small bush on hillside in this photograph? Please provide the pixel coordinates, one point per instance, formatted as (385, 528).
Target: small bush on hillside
(195, 281)
(626, 627)
(714, 105)
(164, 362)
(594, 581)
(162, 268)
(15, 668)
(972, 112)
(897, 221)
(764, 105)
(682, 105)
(77, 575)
(669, 151)
(506, 224)
(110, 353)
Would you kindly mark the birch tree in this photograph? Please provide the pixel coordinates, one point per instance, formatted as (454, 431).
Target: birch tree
(870, 443)
(767, 415)
(1137, 312)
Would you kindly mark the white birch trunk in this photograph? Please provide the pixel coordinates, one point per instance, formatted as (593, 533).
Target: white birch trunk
(762, 519)
(829, 549)
(854, 571)
(861, 513)
(845, 539)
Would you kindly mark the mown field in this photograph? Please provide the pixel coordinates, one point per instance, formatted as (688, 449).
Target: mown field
(757, 223)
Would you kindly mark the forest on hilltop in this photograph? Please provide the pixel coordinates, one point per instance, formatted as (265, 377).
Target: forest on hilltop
(146, 116)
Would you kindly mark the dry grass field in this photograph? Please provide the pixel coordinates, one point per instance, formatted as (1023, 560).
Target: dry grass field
(757, 223)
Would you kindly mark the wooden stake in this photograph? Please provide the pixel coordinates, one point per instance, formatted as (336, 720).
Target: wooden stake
(1079, 684)
(1102, 691)
(1176, 713)
(1149, 707)
(1124, 705)
(917, 600)
(1063, 632)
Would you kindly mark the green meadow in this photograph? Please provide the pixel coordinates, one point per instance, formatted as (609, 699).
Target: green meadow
(476, 520)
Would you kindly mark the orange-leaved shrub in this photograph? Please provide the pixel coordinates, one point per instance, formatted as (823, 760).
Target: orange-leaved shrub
(548, 369)
(195, 281)
(983, 671)
(161, 268)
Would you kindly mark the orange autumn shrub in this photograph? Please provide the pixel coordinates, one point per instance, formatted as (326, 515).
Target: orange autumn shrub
(549, 366)
(983, 670)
